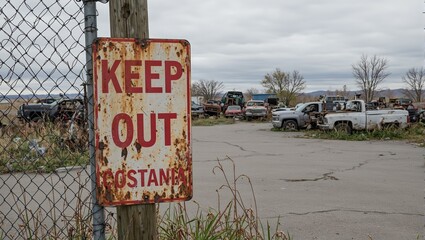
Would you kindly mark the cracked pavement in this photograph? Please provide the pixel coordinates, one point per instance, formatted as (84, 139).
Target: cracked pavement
(319, 189)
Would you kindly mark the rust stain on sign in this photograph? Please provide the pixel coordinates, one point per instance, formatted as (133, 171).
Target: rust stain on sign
(142, 121)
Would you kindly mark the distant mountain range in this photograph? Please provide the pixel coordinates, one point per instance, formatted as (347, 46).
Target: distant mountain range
(393, 93)
(28, 96)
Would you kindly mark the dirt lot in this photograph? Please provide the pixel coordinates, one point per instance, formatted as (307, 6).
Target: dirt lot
(321, 189)
(8, 110)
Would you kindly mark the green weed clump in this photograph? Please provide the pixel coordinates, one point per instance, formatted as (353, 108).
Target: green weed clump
(414, 134)
(235, 221)
(212, 121)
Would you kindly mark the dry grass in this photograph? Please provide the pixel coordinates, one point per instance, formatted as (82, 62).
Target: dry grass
(237, 220)
(8, 111)
(41, 147)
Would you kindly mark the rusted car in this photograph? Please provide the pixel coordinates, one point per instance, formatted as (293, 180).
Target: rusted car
(61, 110)
(232, 98)
(212, 108)
(357, 117)
(255, 109)
(233, 111)
(196, 109)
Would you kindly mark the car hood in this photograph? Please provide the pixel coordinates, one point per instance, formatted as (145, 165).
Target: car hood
(290, 112)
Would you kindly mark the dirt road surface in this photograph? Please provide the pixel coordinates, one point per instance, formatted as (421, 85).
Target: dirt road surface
(320, 189)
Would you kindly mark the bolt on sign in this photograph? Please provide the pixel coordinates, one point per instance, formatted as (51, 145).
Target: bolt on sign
(142, 121)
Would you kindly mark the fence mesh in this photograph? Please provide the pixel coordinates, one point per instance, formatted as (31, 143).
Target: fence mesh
(45, 190)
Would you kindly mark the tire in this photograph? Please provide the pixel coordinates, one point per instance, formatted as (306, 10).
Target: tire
(37, 119)
(290, 125)
(343, 127)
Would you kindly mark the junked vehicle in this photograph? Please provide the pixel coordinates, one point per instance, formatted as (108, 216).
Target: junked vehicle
(212, 107)
(255, 109)
(279, 109)
(232, 98)
(305, 115)
(196, 109)
(46, 100)
(421, 115)
(61, 109)
(233, 111)
(356, 117)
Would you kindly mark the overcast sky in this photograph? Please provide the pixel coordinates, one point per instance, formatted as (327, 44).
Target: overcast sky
(237, 42)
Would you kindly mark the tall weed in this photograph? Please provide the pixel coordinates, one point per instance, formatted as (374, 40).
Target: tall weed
(234, 221)
(41, 147)
(414, 134)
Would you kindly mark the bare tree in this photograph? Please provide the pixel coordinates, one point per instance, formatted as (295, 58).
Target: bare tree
(344, 92)
(249, 92)
(296, 84)
(285, 85)
(369, 73)
(208, 89)
(415, 80)
(275, 82)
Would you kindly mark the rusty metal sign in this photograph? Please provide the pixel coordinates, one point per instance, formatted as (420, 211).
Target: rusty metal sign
(142, 121)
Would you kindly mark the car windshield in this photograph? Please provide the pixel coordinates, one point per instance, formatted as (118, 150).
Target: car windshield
(46, 100)
(300, 107)
(255, 104)
(234, 108)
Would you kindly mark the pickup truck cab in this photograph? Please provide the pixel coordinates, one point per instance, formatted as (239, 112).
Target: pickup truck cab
(212, 107)
(302, 117)
(356, 117)
(255, 109)
(61, 109)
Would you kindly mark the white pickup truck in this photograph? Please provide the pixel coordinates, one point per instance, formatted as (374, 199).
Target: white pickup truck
(356, 117)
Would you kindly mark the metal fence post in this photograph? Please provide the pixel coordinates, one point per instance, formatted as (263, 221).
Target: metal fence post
(90, 36)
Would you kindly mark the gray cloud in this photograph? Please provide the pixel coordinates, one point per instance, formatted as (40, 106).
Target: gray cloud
(238, 42)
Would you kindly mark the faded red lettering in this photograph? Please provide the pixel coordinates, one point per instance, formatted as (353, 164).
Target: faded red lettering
(149, 76)
(141, 133)
(120, 179)
(116, 130)
(142, 176)
(131, 178)
(105, 178)
(164, 176)
(169, 76)
(108, 75)
(167, 125)
(130, 75)
(152, 178)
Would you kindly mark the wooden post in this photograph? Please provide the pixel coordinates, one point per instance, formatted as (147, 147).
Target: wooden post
(129, 19)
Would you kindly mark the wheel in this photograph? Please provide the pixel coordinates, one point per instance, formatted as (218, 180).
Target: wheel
(290, 125)
(343, 127)
(36, 119)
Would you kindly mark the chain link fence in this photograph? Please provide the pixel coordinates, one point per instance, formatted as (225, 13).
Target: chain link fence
(46, 189)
